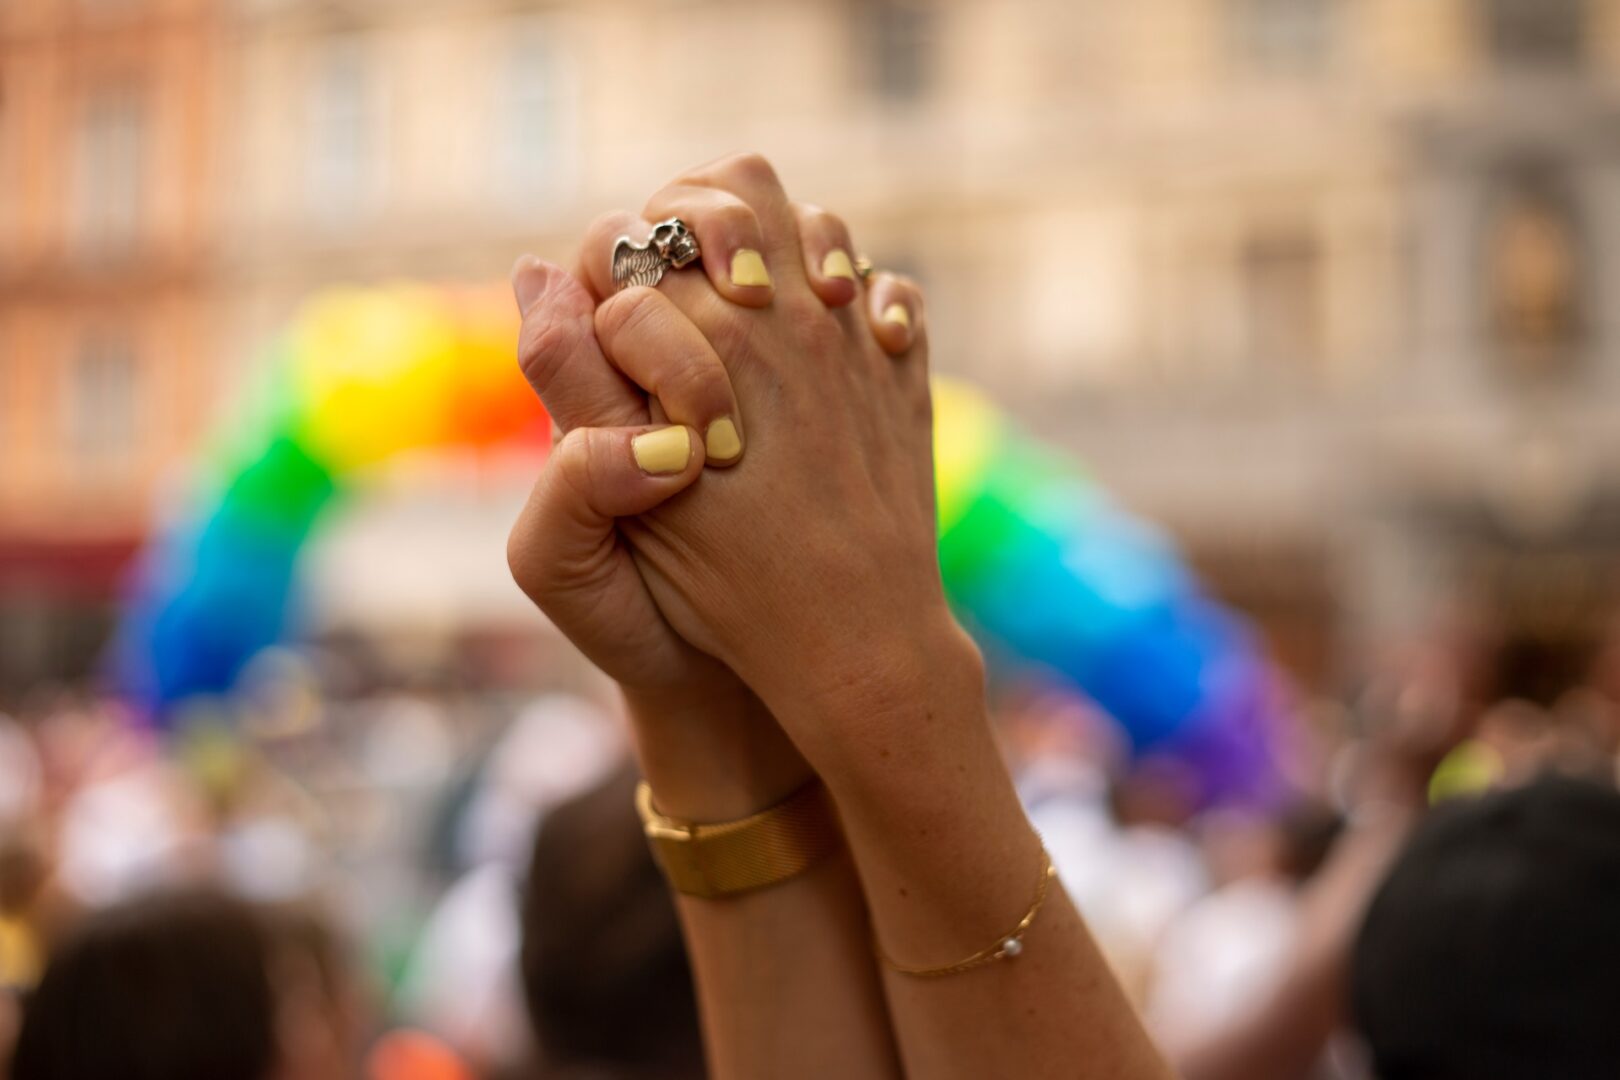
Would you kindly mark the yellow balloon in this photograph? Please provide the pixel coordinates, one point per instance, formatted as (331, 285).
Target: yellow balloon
(1470, 768)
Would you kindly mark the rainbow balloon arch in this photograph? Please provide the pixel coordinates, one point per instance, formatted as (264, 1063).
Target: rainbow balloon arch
(1054, 580)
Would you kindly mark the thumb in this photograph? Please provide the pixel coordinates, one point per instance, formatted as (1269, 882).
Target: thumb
(564, 551)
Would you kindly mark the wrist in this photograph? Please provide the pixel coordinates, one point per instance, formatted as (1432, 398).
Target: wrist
(714, 754)
(849, 700)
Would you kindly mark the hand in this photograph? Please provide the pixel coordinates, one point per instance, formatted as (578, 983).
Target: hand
(708, 745)
(565, 551)
(571, 559)
(811, 565)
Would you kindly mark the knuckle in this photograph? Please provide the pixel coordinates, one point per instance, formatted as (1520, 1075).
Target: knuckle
(827, 223)
(603, 231)
(520, 563)
(731, 334)
(736, 218)
(607, 225)
(810, 321)
(572, 457)
(574, 461)
(625, 313)
(751, 168)
(544, 345)
(900, 289)
(529, 563)
(700, 206)
(695, 381)
(659, 202)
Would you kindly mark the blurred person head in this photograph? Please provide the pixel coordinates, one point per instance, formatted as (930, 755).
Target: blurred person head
(188, 986)
(1528, 739)
(605, 974)
(1287, 845)
(1585, 731)
(1490, 950)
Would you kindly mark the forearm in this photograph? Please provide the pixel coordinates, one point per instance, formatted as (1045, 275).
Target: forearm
(948, 862)
(787, 984)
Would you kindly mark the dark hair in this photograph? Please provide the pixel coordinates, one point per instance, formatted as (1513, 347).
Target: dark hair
(1490, 951)
(605, 974)
(172, 987)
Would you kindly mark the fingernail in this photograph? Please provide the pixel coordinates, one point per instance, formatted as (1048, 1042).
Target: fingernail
(721, 442)
(527, 282)
(837, 264)
(662, 452)
(748, 268)
(897, 313)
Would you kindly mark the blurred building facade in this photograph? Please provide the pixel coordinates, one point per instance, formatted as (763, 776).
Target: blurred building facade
(106, 141)
(1316, 283)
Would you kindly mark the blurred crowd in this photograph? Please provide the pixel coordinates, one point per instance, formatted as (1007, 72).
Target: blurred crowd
(437, 880)
(396, 813)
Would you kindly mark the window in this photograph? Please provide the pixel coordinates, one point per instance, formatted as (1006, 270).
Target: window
(107, 178)
(1282, 272)
(101, 393)
(1081, 302)
(897, 38)
(1282, 35)
(342, 129)
(1535, 267)
(1536, 33)
(534, 143)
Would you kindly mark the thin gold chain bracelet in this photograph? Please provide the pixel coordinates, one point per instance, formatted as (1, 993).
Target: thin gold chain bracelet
(1006, 947)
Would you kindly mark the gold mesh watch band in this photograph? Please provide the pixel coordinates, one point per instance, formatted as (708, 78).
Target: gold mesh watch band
(732, 857)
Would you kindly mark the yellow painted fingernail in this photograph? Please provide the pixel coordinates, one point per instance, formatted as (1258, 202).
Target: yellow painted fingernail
(897, 313)
(837, 264)
(662, 452)
(722, 443)
(748, 268)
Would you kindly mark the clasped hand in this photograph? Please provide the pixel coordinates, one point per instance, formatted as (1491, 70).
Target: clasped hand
(742, 497)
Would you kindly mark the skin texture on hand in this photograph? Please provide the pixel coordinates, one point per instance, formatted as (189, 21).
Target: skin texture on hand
(764, 521)
(703, 736)
(564, 550)
(790, 566)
